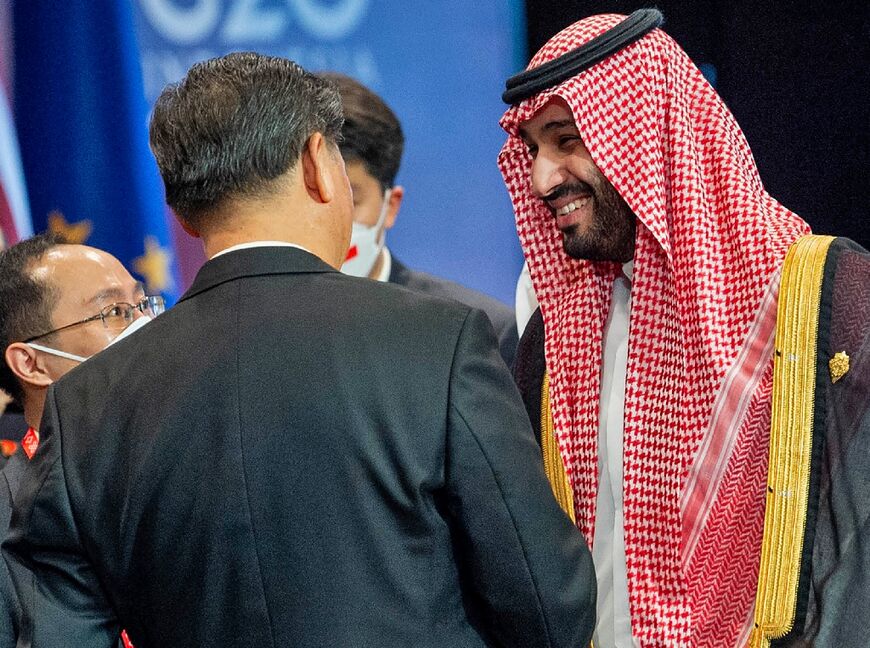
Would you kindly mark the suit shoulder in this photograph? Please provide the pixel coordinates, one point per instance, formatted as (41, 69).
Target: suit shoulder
(409, 296)
(499, 314)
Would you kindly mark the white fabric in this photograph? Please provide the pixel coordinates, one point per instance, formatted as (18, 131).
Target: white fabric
(526, 302)
(366, 243)
(613, 629)
(57, 352)
(387, 267)
(131, 328)
(256, 244)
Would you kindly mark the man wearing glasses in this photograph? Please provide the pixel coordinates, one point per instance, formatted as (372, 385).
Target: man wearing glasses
(59, 305)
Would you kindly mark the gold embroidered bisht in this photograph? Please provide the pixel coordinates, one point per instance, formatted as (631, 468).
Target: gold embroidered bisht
(814, 577)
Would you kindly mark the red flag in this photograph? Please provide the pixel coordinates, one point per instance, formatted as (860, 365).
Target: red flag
(14, 212)
(15, 221)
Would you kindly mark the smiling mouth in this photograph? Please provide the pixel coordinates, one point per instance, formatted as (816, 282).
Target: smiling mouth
(572, 206)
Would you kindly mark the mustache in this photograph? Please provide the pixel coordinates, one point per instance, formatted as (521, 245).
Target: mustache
(569, 189)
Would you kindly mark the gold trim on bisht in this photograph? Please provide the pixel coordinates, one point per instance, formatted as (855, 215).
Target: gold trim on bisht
(554, 467)
(791, 439)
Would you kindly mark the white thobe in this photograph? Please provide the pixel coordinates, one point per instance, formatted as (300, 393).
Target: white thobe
(613, 629)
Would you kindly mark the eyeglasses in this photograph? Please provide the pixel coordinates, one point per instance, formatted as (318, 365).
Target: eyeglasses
(116, 316)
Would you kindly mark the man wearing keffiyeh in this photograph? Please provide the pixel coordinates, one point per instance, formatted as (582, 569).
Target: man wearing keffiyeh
(687, 332)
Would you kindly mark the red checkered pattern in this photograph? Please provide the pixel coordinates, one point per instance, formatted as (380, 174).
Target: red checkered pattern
(709, 243)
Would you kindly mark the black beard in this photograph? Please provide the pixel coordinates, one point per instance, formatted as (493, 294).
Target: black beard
(611, 233)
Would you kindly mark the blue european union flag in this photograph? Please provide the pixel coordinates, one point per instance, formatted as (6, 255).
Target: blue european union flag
(82, 116)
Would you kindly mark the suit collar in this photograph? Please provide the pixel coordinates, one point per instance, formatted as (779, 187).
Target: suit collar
(13, 470)
(253, 262)
(398, 270)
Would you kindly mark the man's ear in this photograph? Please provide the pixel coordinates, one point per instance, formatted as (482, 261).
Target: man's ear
(26, 364)
(319, 159)
(394, 203)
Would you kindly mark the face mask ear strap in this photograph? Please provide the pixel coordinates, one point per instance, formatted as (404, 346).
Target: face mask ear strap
(384, 208)
(134, 326)
(55, 352)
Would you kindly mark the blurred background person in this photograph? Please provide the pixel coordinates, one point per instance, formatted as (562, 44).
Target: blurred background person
(59, 305)
(371, 144)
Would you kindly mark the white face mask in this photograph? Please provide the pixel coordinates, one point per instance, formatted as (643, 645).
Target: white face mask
(134, 326)
(366, 243)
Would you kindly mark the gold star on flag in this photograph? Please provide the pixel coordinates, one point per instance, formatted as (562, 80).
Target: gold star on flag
(76, 233)
(154, 266)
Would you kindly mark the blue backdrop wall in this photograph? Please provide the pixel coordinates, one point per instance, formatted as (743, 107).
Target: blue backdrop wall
(440, 66)
(87, 72)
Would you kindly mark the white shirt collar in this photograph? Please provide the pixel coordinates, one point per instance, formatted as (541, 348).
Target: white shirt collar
(628, 269)
(256, 244)
(387, 267)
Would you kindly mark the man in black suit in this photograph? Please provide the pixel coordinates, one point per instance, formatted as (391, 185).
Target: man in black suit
(290, 456)
(59, 305)
(371, 144)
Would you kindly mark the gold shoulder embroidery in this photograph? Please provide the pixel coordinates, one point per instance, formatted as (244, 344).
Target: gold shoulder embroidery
(791, 439)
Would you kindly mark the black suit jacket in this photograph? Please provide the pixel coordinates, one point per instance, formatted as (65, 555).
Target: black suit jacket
(12, 425)
(501, 317)
(10, 610)
(294, 457)
(529, 369)
(12, 428)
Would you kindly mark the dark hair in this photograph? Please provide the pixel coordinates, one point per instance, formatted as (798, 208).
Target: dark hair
(372, 133)
(26, 303)
(232, 125)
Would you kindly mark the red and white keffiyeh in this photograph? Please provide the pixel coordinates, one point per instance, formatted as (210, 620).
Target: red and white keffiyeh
(710, 244)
